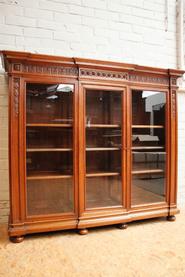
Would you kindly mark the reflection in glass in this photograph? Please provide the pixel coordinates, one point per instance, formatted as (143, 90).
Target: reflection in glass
(49, 103)
(49, 148)
(50, 196)
(103, 148)
(148, 147)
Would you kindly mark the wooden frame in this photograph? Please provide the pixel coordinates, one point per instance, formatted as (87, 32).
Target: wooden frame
(85, 74)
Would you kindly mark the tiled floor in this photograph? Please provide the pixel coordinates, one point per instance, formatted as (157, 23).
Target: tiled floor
(152, 248)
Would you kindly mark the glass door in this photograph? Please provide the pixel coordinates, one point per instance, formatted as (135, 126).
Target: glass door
(49, 148)
(104, 140)
(148, 147)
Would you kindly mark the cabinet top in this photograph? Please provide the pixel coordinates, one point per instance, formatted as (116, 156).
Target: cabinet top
(16, 62)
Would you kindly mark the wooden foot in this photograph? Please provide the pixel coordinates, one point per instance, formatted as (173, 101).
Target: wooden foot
(171, 218)
(17, 239)
(83, 231)
(122, 226)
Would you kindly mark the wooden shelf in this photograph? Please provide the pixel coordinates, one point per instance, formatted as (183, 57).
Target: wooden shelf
(147, 171)
(103, 126)
(102, 148)
(47, 175)
(149, 152)
(148, 126)
(147, 147)
(64, 125)
(48, 149)
(101, 174)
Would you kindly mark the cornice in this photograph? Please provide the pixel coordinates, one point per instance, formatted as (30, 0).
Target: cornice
(25, 63)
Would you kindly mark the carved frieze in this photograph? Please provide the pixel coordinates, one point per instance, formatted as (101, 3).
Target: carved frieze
(105, 74)
(60, 70)
(148, 79)
(126, 76)
(51, 70)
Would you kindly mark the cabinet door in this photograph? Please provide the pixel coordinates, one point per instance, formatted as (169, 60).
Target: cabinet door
(149, 147)
(49, 148)
(103, 148)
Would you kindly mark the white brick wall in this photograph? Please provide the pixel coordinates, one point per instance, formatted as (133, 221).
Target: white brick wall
(119, 30)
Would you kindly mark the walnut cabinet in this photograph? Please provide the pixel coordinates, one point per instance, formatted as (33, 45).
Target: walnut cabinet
(91, 143)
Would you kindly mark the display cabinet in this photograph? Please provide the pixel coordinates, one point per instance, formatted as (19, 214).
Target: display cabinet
(91, 143)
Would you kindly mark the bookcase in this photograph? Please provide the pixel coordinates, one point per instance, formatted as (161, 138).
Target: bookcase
(91, 143)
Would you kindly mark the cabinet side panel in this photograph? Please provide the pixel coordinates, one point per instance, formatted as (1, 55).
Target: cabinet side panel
(173, 146)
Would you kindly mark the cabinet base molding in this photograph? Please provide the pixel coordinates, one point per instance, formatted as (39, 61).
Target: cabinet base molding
(18, 230)
(39, 227)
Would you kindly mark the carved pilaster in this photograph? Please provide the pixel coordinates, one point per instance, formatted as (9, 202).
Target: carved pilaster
(16, 89)
(173, 105)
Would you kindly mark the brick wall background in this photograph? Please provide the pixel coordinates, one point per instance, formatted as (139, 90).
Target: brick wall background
(118, 30)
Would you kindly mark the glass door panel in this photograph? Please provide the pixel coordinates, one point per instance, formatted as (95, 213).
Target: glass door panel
(148, 147)
(103, 148)
(49, 148)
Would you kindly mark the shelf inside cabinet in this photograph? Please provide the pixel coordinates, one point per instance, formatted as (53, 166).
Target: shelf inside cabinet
(147, 147)
(147, 171)
(64, 125)
(102, 148)
(47, 175)
(48, 149)
(148, 126)
(103, 125)
(101, 174)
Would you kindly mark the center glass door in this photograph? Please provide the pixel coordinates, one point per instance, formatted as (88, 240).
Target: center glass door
(103, 153)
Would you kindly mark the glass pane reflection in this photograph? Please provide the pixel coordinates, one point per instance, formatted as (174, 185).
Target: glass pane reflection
(148, 147)
(49, 152)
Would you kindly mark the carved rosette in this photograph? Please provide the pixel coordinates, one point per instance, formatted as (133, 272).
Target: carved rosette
(16, 89)
(173, 81)
(173, 104)
(16, 67)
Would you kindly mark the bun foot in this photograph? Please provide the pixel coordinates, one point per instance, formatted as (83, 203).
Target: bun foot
(122, 226)
(171, 218)
(17, 239)
(83, 231)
